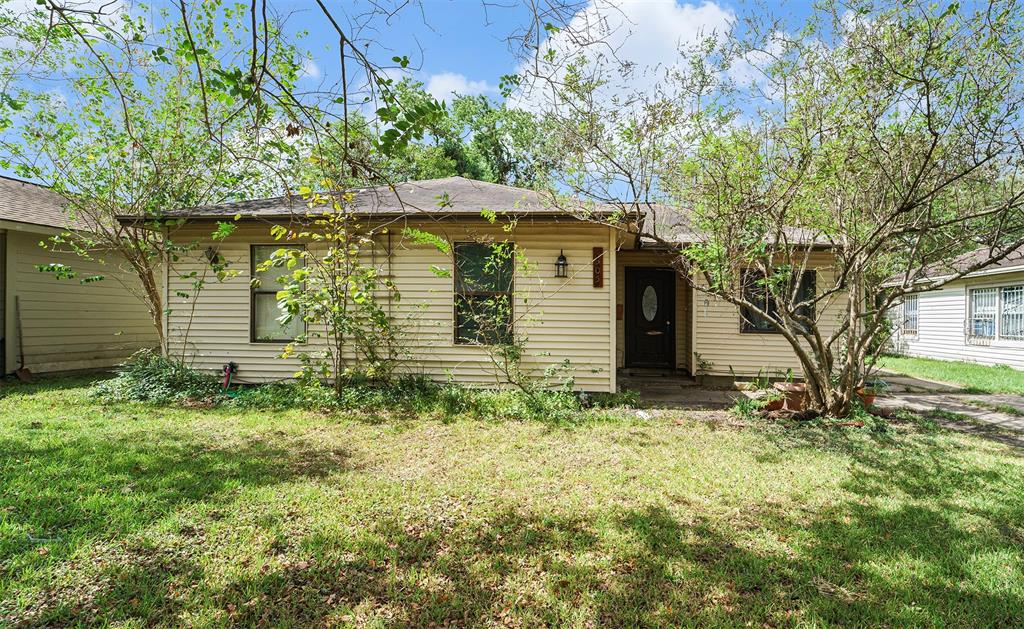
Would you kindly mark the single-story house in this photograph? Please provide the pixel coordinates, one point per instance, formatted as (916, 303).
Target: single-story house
(49, 324)
(979, 318)
(621, 301)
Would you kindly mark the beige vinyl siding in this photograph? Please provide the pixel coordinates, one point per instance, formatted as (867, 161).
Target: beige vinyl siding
(6, 342)
(68, 325)
(561, 318)
(726, 350)
(942, 325)
(645, 258)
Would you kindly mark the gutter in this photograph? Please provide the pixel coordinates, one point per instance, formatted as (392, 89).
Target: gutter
(1002, 270)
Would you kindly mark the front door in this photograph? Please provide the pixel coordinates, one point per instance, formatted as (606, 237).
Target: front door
(649, 317)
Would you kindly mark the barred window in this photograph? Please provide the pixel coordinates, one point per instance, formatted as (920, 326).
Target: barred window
(910, 316)
(1011, 316)
(982, 315)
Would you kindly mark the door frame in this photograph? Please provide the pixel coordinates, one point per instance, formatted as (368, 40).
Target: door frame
(630, 314)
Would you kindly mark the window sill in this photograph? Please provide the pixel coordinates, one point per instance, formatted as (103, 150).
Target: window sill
(995, 341)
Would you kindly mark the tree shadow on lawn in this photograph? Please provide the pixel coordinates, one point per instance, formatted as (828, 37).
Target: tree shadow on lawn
(545, 571)
(929, 556)
(71, 492)
(862, 560)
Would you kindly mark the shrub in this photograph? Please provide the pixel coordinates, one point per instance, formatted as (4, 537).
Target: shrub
(282, 395)
(149, 377)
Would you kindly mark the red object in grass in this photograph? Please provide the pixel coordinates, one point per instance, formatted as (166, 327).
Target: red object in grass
(795, 392)
(867, 396)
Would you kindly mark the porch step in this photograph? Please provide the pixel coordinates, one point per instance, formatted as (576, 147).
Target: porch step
(653, 381)
(643, 373)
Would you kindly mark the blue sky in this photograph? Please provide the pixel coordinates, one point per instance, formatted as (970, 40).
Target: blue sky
(449, 42)
(461, 44)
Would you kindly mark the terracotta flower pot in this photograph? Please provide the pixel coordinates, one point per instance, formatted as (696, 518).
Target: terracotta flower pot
(867, 396)
(795, 392)
(774, 405)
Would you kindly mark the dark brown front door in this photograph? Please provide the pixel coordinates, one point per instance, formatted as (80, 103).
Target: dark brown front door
(649, 317)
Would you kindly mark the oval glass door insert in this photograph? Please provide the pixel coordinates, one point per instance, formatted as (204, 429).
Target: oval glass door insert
(649, 303)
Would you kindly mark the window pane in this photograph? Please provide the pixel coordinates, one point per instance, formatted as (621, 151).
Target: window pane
(482, 319)
(266, 326)
(268, 279)
(755, 292)
(983, 312)
(483, 307)
(649, 303)
(808, 289)
(484, 267)
(1011, 321)
(910, 314)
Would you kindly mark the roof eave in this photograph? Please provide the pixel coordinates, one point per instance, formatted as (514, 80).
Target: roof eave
(130, 219)
(1001, 270)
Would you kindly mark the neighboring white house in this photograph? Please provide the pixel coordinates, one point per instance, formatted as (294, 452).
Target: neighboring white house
(49, 324)
(979, 318)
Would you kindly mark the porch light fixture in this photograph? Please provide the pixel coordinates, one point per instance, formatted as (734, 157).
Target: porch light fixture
(561, 265)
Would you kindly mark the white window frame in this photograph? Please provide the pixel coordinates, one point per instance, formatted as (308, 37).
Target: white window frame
(906, 328)
(972, 307)
(253, 292)
(1019, 315)
(1000, 294)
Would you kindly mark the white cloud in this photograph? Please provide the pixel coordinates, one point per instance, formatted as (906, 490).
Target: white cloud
(442, 86)
(749, 69)
(112, 13)
(637, 42)
(310, 69)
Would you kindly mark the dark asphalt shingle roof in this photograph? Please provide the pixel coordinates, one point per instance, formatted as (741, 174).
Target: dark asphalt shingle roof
(1012, 262)
(677, 225)
(24, 202)
(461, 198)
(465, 197)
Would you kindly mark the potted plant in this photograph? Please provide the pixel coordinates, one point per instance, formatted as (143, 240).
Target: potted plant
(794, 394)
(870, 390)
(773, 400)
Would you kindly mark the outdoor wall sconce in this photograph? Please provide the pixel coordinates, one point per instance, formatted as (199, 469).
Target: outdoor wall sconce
(561, 265)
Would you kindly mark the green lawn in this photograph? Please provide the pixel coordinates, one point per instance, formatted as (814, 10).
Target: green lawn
(136, 516)
(971, 376)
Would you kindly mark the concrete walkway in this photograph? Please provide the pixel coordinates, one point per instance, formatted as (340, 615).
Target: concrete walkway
(899, 383)
(985, 409)
(662, 390)
(971, 417)
(1004, 412)
(996, 417)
